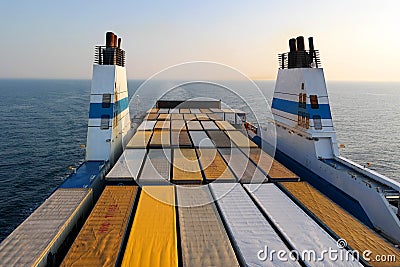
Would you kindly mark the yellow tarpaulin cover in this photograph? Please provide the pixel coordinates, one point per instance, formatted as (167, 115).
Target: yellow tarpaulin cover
(205, 110)
(240, 139)
(224, 125)
(184, 110)
(202, 117)
(176, 116)
(100, 239)
(178, 125)
(186, 165)
(160, 138)
(152, 110)
(357, 235)
(140, 139)
(214, 117)
(194, 126)
(162, 125)
(153, 238)
(214, 166)
(189, 117)
(269, 165)
(151, 116)
(164, 116)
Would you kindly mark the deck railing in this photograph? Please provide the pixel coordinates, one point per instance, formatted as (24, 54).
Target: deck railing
(300, 59)
(109, 56)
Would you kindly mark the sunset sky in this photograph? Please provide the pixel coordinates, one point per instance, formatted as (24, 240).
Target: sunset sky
(358, 40)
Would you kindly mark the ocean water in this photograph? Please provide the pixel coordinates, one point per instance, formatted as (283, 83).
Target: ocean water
(44, 123)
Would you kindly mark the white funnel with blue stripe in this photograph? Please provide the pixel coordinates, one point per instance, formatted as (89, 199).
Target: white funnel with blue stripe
(109, 119)
(300, 105)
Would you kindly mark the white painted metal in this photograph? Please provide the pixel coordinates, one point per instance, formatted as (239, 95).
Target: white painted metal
(218, 112)
(107, 144)
(230, 117)
(308, 146)
(310, 81)
(98, 145)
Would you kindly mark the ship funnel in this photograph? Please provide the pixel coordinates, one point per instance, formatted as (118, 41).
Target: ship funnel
(298, 56)
(292, 45)
(311, 43)
(110, 39)
(300, 104)
(302, 57)
(109, 119)
(292, 53)
(111, 53)
(115, 40)
(300, 43)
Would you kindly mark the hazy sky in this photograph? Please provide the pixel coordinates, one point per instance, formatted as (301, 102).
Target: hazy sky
(358, 40)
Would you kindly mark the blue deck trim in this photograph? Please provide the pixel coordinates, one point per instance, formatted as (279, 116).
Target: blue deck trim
(96, 110)
(293, 108)
(257, 140)
(85, 175)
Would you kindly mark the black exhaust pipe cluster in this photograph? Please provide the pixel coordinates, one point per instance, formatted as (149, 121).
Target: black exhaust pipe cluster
(112, 40)
(112, 53)
(298, 57)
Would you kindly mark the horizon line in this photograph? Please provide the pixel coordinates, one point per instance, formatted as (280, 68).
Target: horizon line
(178, 79)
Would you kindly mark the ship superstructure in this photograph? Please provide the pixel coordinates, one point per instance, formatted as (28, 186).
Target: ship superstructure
(109, 119)
(306, 141)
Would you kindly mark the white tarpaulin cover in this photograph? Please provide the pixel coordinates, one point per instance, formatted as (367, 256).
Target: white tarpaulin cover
(302, 232)
(46, 227)
(242, 166)
(146, 126)
(250, 230)
(209, 125)
(156, 169)
(128, 165)
(200, 139)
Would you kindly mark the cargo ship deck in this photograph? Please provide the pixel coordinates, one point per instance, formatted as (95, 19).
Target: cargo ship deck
(191, 189)
(186, 187)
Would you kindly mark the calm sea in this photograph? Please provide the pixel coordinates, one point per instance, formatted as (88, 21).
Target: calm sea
(44, 123)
